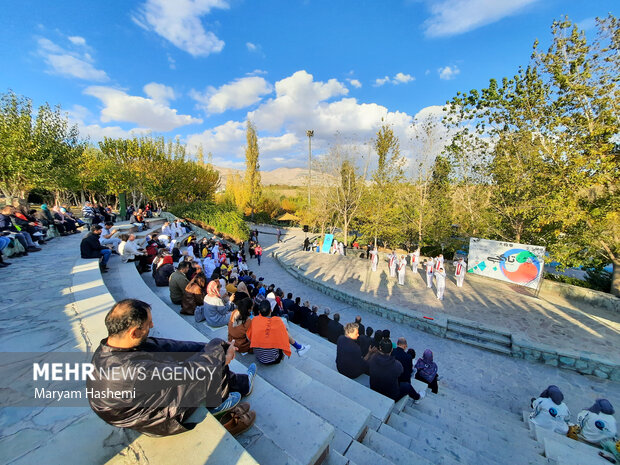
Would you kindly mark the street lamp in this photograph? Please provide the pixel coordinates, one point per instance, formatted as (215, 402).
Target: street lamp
(310, 134)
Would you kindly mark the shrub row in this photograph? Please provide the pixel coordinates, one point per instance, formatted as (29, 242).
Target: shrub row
(219, 219)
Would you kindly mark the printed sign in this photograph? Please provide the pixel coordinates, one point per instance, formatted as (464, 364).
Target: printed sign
(513, 263)
(327, 243)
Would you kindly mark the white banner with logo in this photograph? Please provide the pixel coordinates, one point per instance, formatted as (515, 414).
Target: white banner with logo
(520, 264)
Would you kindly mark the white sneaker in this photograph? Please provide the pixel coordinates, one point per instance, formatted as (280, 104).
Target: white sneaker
(303, 350)
(422, 396)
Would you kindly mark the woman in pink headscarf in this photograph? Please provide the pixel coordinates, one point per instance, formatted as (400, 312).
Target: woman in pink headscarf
(214, 311)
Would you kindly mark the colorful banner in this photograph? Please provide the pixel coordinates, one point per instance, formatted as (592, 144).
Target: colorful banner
(513, 263)
(327, 243)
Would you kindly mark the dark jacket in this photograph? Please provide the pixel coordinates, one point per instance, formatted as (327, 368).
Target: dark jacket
(6, 224)
(349, 359)
(334, 331)
(361, 328)
(312, 323)
(323, 322)
(364, 343)
(162, 274)
(384, 372)
(304, 312)
(406, 361)
(90, 246)
(159, 407)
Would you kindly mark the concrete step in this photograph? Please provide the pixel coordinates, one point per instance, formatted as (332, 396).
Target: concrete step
(438, 457)
(478, 331)
(263, 448)
(278, 417)
(570, 454)
(557, 445)
(435, 443)
(362, 455)
(334, 458)
(392, 450)
(476, 342)
(487, 439)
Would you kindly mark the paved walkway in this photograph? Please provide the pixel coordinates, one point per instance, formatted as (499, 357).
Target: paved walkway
(502, 381)
(550, 320)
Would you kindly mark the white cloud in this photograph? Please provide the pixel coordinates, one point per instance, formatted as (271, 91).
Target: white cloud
(70, 63)
(77, 40)
(453, 17)
(171, 62)
(277, 144)
(251, 47)
(355, 83)
(146, 112)
(239, 93)
(223, 141)
(82, 117)
(399, 78)
(180, 22)
(448, 72)
(159, 92)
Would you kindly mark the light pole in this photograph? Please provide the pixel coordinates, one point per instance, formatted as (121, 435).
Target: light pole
(310, 134)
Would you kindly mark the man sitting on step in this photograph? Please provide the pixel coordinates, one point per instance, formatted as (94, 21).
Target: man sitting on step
(384, 372)
(269, 338)
(349, 359)
(169, 382)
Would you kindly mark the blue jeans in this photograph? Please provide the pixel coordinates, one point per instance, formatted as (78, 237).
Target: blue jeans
(4, 241)
(105, 256)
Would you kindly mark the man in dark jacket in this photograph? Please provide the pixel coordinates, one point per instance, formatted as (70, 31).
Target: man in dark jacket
(384, 372)
(304, 312)
(91, 248)
(349, 359)
(406, 360)
(160, 404)
(334, 329)
(9, 222)
(358, 320)
(323, 323)
(364, 341)
(313, 320)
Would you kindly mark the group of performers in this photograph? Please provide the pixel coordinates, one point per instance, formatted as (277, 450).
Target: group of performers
(434, 268)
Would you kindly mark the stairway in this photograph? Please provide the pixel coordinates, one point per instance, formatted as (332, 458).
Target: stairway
(473, 334)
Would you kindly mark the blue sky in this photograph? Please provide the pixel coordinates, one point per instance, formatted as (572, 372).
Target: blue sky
(198, 69)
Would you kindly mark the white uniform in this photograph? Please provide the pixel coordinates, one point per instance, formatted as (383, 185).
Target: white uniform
(415, 258)
(606, 429)
(547, 414)
(460, 268)
(393, 263)
(374, 259)
(429, 273)
(168, 232)
(440, 283)
(341, 248)
(438, 262)
(402, 266)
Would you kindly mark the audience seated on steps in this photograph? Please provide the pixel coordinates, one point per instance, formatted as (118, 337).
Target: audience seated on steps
(215, 310)
(323, 323)
(163, 271)
(107, 236)
(269, 338)
(550, 411)
(384, 372)
(177, 282)
(194, 294)
(360, 326)
(130, 252)
(9, 222)
(91, 248)
(405, 357)
(137, 219)
(163, 408)
(89, 214)
(426, 370)
(4, 243)
(239, 323)
(27, 220)
(349, 361)
(47, 219)
(313, 320)
(62, 221)
(334, 329)
(597, 425)
(364, 341)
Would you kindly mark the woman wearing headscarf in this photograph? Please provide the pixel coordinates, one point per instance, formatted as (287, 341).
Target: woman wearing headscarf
(194, 296)
(165, 268)
(550, 411)
(598, 426)
(214, 311)
(426, 371)
(242, 291)
(239, 323)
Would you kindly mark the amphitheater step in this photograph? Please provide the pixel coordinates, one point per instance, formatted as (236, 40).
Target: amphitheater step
(477, 342)
(392, 450)
(362, 455)
(334, 458)
(264, 449)
(566, 450)
(278, 417)
(483, 333)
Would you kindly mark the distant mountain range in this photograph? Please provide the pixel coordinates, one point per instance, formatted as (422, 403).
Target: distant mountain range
(287, 176)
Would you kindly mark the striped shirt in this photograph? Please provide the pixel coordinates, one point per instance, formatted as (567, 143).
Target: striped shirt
(266, 355)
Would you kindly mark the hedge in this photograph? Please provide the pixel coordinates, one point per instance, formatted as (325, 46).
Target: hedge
(219, 219)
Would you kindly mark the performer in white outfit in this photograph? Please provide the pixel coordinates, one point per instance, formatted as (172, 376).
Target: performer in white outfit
(392, 263)
(341, 248)
(402, 266)
(374, 259)
(415, 258)
(438, 262)
(428, 264)
(460, 268)
(167, 233)
(440, 282)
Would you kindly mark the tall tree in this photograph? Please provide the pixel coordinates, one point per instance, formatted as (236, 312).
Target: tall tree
(252, 174)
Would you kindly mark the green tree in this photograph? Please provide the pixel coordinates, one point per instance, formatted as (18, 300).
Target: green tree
(252, 174)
